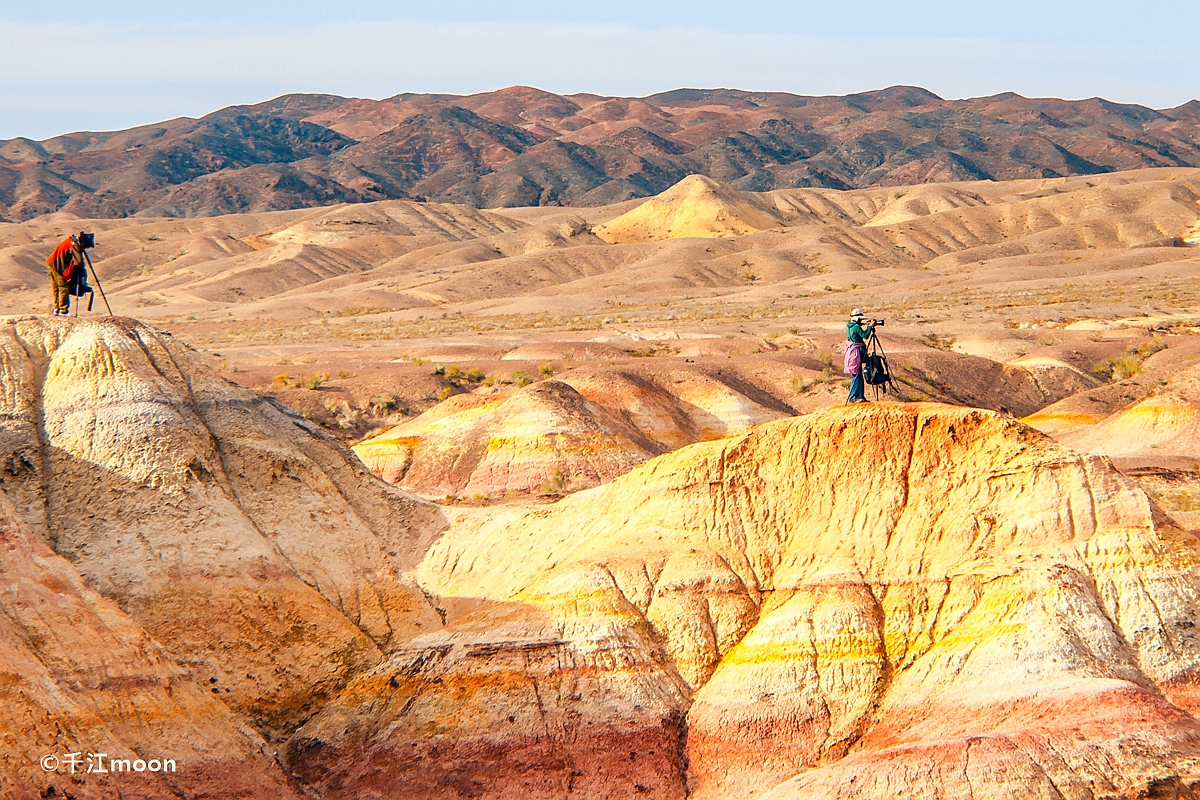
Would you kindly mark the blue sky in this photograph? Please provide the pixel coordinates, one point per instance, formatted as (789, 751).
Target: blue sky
(67, 65)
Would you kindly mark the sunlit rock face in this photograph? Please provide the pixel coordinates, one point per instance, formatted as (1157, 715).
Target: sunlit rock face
(866, 602)
(872, 602)
(557, 436)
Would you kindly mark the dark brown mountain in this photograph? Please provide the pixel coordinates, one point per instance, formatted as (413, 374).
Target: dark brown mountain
(523, 146)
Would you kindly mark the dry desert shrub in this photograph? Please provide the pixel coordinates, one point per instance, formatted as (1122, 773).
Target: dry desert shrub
(380, 404)
(1129, 364)
(313, 380)
(937, 342)
(343, 415)
(456, 375)
(555, 483)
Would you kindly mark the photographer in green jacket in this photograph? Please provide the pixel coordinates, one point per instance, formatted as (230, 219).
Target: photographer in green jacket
(858, 333)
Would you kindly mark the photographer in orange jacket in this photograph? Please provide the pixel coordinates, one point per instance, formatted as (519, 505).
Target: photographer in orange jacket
(63, 263)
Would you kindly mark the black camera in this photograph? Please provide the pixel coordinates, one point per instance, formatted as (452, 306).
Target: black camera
(86, 240)
(876, 323)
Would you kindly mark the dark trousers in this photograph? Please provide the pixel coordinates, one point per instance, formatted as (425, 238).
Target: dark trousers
(857, 388)
(62, 297)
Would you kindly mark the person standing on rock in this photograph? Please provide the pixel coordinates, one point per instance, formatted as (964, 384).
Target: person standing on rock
(857, 336)
(66, 259)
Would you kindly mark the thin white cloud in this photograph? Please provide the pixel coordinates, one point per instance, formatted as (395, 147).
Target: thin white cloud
(192, 67)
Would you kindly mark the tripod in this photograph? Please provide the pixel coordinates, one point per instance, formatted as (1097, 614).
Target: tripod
(98, 284)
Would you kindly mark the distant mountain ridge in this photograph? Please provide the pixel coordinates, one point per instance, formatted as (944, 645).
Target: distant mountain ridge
(522, 146)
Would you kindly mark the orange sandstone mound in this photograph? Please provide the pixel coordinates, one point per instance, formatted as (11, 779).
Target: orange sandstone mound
(565, 434)
(912, 600)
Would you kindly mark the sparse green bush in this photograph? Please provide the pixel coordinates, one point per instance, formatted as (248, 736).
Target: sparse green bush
(313, 381)
(519, 378)
(445, 392)
(546, 369)
(1126, 367)
(284, 381)
(1129, 364)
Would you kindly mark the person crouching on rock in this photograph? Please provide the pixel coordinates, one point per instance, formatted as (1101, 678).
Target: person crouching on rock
(857, 336)
(62, 263)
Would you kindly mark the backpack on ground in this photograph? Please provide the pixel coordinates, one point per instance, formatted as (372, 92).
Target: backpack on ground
(875, 368)
(78, 286)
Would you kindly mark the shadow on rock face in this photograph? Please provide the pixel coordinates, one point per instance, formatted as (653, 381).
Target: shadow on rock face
(252, 546)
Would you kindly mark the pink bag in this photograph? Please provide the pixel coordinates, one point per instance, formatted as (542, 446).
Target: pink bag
(855, 353)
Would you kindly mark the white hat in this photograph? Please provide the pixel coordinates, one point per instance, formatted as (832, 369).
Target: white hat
(856, 313)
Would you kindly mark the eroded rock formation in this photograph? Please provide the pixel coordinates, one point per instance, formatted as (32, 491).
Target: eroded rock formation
(560, 435)
(219, 567)
(893, 601)
(898, 600)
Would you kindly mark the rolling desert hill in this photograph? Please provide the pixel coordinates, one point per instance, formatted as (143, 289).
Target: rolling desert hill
(415, 499)
(525, 147)
(1011, 296)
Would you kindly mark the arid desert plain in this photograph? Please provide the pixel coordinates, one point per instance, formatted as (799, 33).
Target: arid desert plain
(407, 499)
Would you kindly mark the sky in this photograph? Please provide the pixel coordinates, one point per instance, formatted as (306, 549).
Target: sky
(67, 65)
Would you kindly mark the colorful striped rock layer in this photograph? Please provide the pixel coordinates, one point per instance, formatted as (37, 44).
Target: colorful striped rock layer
(866, 602)
(904, 600)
